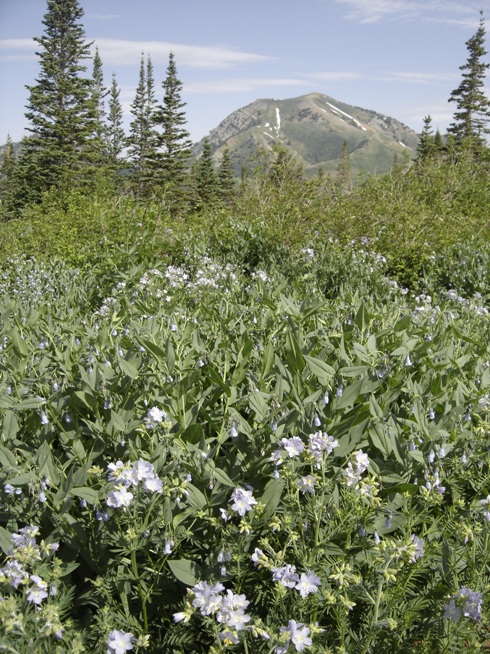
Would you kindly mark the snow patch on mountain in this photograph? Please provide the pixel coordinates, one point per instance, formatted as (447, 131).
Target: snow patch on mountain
(339, 111)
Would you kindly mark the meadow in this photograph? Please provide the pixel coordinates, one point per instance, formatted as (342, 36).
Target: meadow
(244, 446)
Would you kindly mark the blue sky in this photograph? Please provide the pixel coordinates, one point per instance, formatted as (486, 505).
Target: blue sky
(398, 57)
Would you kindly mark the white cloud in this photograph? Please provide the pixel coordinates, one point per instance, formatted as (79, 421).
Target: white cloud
(243, 84)
(334, 76)
(442, 11)
(17, 49)
(419, 78)
(124, 52)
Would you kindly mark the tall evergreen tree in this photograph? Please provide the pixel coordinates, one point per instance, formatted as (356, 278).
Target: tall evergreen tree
(142, 136)
(7, 179)
(98, 95)
(206, 177)
(114, 132)
(173, 141)
(344, 177)
(472, 116)
(226, 178)
(59, 110)
(426, 145)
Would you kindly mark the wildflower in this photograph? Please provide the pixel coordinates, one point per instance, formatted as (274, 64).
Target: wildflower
(306, 484)
(243, 501)
(119, 497)
(233, 432)
(228, 638)
(154, 417)
(408, 361)
(286, 575)
(119, 642)
(153, 484)
(466, 601)
(38, 592)
(258, 557)
(321, 442)
(141, 471)
(418, 544)
(308, 583)
(181, 616)
(293, 446)
(121, 473)
(207, 597)
(298, 634)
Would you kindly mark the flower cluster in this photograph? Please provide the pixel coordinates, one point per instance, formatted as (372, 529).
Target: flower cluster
(467, 602)
(286, 575)
(22, 557)
(320, 444)
(127, 475)
(357, 468)
(296, 633)
(154, 417)
(228, 608)
(243, 501)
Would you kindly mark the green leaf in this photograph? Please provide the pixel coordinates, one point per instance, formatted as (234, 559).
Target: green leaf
(10, 426)
(128, 368)
(222, 477)
(185, 571)
(320, 369)
(88, 494)
(271, 497)
(5, 540)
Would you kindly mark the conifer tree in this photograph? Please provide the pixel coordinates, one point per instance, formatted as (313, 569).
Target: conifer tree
(59, 110)
(98, 95)
(142, 136)
(226, 178)
(206, 177)
(472, 116)
(173, 140)
(7, 179)
(426, 145)
(344, 178)
(114, 132)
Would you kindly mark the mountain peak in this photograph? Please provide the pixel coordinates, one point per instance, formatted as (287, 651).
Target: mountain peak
(314, 128)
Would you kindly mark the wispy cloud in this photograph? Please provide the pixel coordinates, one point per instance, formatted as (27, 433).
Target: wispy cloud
(125, 52)
(243, 84)
(103, 16)
(418, 77)
(334, 76)
(442, 11)
(17, 49)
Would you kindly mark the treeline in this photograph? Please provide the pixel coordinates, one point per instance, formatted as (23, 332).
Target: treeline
(80, 171)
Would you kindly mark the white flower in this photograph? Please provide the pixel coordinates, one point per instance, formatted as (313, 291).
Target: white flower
(121, 473)
(308, 583)
(306, 484)
(286, 575)
(38, 592)
(293, 446)
(119, 642)
(154, 417)
(119, 497)
(243, 500)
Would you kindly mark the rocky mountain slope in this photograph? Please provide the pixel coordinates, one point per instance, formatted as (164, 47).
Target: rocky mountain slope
(313, 127)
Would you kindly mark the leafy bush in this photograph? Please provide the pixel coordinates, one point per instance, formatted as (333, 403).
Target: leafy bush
(198, 457)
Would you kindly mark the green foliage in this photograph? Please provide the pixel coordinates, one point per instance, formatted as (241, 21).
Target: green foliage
(141, 400)
(471, 119)
(60, 110)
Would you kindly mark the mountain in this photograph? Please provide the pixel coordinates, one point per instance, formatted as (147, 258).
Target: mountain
(313, 127)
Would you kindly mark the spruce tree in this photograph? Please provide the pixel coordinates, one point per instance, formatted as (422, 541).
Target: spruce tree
(226, 178)
(7, 179)
(472, 116)
(344, 177)
(426, 145)
(142, 135)
(98, 142)
(114, 131)
(59, 110)
(206, 177)
(173, 140)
